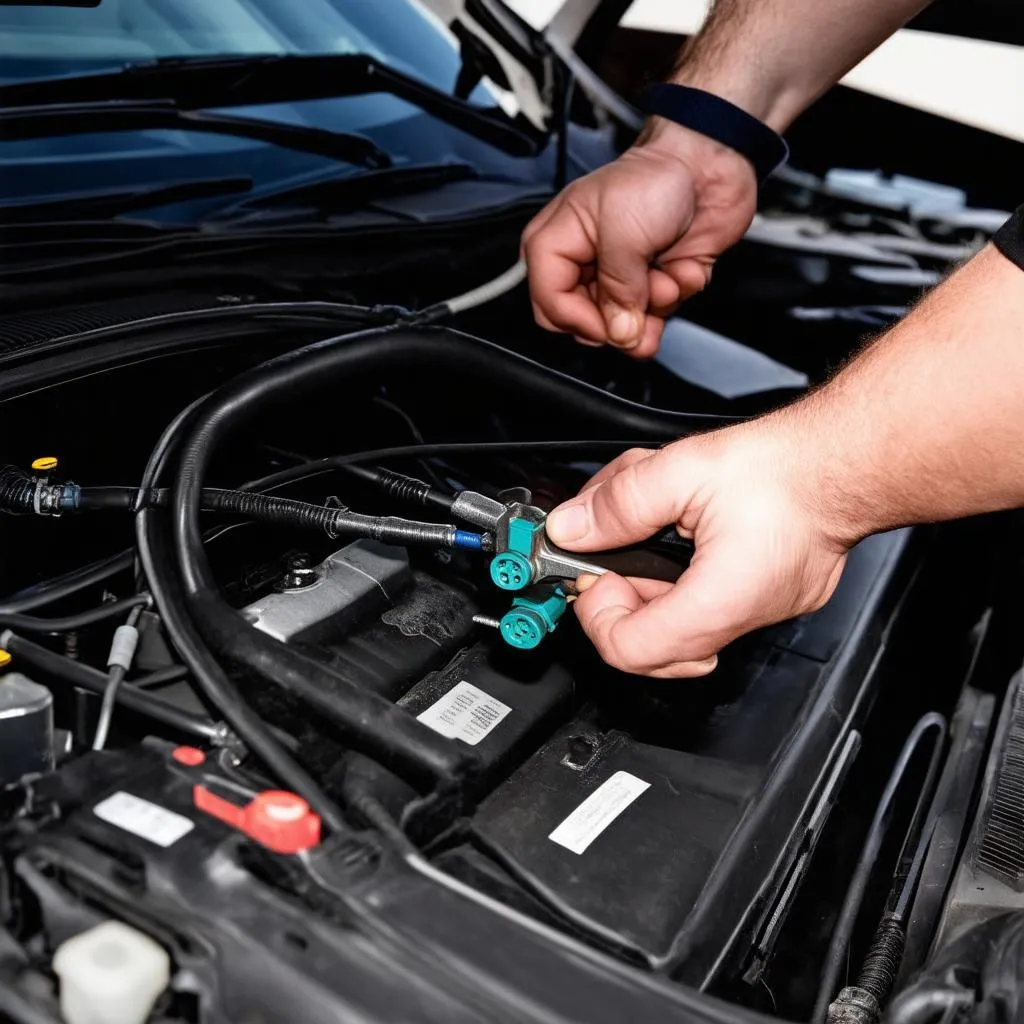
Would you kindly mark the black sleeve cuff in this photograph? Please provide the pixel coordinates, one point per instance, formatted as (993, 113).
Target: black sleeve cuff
(720, 120)
(1009, 239)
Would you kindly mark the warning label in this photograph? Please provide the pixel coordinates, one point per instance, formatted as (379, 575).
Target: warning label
(465, 713)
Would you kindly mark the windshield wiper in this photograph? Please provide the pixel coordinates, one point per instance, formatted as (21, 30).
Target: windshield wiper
(116, 202)
(180, 87)
(53, 119)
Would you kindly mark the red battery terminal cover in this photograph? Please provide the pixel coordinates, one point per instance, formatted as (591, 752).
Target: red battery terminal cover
(279, 820)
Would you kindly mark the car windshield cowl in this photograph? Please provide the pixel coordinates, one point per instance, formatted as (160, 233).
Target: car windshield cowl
(106, 203)
(329, 194)
(203, 83)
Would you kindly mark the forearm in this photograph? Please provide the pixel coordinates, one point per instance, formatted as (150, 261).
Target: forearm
(773, 58)
(927, 424)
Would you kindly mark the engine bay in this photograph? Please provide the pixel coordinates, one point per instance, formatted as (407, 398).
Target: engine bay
(289, 696)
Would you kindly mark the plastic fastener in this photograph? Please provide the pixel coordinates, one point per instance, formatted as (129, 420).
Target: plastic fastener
(5, 658)
(191, 757)
(44, 464)
(532, 617)
(279, 820)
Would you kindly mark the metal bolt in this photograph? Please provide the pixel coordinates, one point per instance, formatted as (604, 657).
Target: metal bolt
(487, 620)
(299, 574)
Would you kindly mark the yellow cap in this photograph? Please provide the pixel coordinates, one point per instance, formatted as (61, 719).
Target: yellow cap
(5, 658)
(45, 464)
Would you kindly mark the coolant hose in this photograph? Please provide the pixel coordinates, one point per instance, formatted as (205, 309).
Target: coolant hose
(369, 723)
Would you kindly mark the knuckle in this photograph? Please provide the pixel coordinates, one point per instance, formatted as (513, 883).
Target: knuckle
(628, 502)
(533, 242)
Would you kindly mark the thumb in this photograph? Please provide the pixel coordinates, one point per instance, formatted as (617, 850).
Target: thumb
(628, 507)
(623, 283)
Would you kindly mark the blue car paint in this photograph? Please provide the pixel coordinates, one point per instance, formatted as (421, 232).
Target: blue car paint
(48, 168)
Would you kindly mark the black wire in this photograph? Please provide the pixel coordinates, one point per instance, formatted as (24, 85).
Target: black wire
(78, 674)
(70, 583)
(327, 465)
(160, 677)
(36, 624)
(835, 958)
(553, 902)
(918, 838)
(401, 487)
(376, 815)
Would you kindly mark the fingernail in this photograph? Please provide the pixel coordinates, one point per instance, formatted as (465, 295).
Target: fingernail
(568, 523)
(584, 583)
(623, 328)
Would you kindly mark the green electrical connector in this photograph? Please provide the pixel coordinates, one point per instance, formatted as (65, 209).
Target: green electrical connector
(511, 569)
(533, 618)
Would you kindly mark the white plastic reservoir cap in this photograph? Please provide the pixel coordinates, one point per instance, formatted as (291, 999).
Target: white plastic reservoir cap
(111, 974)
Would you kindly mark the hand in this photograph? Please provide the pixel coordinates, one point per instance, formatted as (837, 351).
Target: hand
(613, 256)
(765, 550)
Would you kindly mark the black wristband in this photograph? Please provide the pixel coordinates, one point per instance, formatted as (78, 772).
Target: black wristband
(720, 120)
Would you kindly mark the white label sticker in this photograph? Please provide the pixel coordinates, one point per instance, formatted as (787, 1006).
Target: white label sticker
(465, 713)
(142, 818)
(598, 811)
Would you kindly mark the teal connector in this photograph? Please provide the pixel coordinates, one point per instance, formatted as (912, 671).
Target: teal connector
(532, 619)
(511, 569)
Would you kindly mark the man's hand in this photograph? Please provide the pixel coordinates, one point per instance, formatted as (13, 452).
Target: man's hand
(617, 251)
(764, 551)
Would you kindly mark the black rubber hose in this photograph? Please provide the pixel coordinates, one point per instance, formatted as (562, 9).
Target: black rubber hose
(835, 958)
(103, 498)
(372, 725)
(17, 489)
(37, 624)
(65, 586)
(213, 681)
(95, 681)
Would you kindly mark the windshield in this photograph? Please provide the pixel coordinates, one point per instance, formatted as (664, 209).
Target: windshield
(48, 41)
(44, 41)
